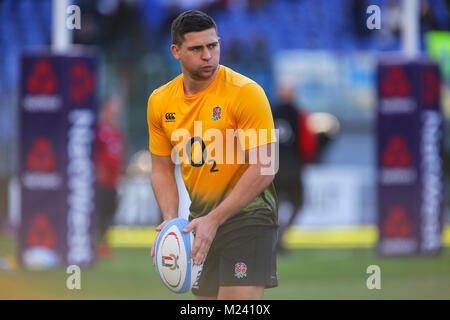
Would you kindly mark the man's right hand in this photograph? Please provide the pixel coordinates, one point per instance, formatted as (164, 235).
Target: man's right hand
(158, 229)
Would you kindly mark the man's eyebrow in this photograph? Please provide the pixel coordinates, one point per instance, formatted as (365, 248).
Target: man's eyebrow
(201, 46)
(195, 47)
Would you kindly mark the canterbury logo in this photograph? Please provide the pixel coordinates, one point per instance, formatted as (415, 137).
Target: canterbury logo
(170, 116)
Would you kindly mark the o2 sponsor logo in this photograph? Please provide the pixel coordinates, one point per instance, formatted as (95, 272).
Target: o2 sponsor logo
(213, 147)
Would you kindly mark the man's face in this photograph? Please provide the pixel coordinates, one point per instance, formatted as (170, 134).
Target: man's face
(199, 53)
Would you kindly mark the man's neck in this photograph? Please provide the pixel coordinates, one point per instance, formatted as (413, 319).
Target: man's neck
(192, 86)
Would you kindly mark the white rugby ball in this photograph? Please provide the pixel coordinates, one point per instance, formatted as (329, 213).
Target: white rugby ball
(174, 265)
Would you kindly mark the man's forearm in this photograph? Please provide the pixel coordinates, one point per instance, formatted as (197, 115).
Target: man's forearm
(248, 187)
(166, 193)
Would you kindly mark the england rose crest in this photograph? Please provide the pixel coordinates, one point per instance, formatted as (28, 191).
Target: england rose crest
(240, 270)
(216, 113)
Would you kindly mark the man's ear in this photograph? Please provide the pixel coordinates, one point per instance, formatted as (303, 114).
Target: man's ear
(175, 51)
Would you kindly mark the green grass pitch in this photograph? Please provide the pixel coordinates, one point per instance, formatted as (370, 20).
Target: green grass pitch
(303, 274)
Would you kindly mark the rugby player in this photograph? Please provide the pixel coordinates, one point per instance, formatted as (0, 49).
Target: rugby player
(233, 212)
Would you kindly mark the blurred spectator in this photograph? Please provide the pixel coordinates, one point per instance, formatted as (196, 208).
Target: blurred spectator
(175, 7)
(358, 9)
(117, 28)
(3, 203)
(260, 54)
(233, 53)
(184, 5)
(303, 138)
(256, 4)
(391, 23)
(251, 57)
(124, 36)
(428, 21)
(297, 146)
(394, 17)
(110, 163)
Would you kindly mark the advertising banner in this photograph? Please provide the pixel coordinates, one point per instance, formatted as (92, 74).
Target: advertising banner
(410, 158)
(57, 121)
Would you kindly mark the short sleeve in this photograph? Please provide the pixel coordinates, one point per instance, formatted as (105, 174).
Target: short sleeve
(254, 117)
(159, 144)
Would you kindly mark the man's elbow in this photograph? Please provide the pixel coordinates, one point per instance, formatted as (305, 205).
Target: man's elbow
(270, 178)
(267, 177)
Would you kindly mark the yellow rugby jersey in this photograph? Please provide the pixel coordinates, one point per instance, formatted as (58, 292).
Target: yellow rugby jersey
(207, 130)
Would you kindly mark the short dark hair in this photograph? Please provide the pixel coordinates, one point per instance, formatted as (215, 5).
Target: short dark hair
(190, 21)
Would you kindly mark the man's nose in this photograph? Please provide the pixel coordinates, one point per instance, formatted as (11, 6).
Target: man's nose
(206, 55)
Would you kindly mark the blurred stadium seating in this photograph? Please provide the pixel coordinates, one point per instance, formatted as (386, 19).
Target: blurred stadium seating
(285, 24)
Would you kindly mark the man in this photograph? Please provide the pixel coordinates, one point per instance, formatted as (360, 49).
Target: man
(110, 154)
(234, 206)
(298, 146)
